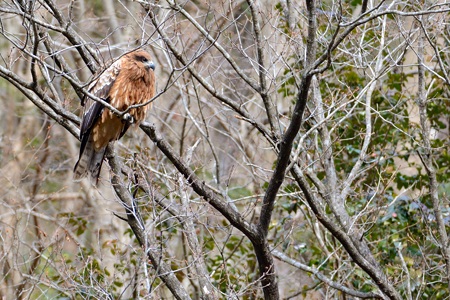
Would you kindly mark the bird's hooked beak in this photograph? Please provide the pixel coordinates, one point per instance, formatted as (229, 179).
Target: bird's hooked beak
(150, 65)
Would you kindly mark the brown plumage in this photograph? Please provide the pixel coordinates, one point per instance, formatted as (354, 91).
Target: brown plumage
(128, 81)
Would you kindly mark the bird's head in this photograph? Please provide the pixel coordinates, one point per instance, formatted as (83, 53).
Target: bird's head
(142, 57)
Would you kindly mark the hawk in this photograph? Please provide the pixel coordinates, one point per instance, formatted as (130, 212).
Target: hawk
(128, 81)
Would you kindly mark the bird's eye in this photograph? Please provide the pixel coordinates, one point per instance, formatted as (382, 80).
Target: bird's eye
(141, 58)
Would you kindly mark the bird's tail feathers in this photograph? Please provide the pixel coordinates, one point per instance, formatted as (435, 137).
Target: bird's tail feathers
(96, 164)
(90, 162)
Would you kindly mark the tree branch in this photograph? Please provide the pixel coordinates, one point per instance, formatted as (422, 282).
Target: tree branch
(199, 186)
(52, 109)
(283, 257)
(215, 42)
(137, 225)
(271, 111)
(234, 105)
(349, 243)
(88, 55)
(287, 140)
(260, 245)
(427, 158)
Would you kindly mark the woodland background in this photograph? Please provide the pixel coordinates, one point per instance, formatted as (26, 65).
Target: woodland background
(295, 150)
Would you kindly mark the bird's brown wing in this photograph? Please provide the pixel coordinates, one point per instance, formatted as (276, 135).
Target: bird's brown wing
(93, 109)
(90, 159)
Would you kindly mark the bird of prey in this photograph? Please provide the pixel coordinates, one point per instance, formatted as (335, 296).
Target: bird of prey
(130, 80)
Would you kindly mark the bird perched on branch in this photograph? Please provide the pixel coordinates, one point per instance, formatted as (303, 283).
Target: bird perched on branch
(130, 80)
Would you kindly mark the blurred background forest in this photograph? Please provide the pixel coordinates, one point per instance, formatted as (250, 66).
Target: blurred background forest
(294, 150)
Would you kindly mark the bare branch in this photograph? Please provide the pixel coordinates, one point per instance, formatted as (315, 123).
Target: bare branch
(349, 244)
(136, 224)
(271, 111)
(283, 257)
(427, 158)
(52, 109)
(285, 145)
(199, 186)
(85, 51)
